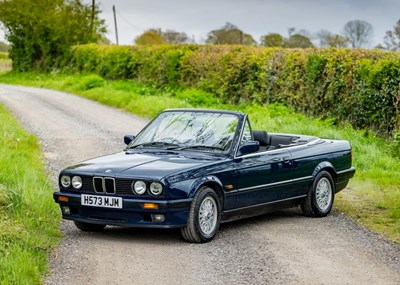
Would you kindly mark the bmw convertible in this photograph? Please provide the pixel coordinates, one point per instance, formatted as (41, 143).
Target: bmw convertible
(193, 169)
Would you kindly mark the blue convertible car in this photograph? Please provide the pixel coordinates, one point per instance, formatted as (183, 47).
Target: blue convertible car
(193, 169)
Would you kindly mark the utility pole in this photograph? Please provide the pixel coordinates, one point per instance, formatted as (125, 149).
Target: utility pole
(115, 23)
(92, 16)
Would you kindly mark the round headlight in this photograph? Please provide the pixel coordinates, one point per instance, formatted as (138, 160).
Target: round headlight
(77, 182)
(139, 187)
(155, 188)
(65, 181)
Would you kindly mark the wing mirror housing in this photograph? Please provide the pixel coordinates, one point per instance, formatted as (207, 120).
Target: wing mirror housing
(249, 147)
(128, 139)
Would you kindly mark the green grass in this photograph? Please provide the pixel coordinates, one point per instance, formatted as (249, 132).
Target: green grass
(29, 218)
(373, 195)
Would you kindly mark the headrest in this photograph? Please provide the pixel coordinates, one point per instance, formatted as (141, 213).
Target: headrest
(261, 137)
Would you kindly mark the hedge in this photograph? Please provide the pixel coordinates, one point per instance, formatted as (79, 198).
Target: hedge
(360, 87)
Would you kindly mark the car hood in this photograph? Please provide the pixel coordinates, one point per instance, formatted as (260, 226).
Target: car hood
(154, 165)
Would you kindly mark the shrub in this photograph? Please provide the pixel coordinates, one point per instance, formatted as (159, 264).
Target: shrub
(360, 87)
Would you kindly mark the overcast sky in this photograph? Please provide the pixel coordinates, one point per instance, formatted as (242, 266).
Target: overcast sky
(256, 17)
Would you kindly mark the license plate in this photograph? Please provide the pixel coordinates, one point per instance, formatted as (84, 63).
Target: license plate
(101, 201)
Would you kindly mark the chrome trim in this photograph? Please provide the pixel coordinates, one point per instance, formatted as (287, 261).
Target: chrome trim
(94, 184)
(266, 203)
(103, 185)
(272, 184)
(348, 170)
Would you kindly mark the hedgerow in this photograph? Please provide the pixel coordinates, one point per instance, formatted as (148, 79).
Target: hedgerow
(360, 87)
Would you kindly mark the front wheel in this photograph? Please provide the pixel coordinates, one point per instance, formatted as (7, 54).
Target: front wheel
(320, 198)
(86, 227)
(204, 217)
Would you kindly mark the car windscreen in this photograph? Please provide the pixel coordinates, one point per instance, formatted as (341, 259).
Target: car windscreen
(194, 131)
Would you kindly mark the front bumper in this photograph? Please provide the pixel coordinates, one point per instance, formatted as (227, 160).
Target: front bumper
(132, 213)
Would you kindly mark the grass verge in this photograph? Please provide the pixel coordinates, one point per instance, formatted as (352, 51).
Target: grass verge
(28, 216)
(373, 195)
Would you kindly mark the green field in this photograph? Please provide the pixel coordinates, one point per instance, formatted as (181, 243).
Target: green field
(371, 198)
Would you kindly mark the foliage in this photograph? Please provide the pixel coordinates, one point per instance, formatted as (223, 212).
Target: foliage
(392, 38)
(294, 40)
(5, 62)
(174, 37)
(4, 47)
(229, 35)
(337, 41)
(272, 40)
(373, 195)
(41, 32)
(3, 55)
(150, 37)
(297, 41)
(158, 37)
(358, 32)
(356, 86)
(28, 215)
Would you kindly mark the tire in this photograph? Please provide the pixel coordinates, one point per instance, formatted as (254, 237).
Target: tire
(204, 217)
(320, 197)
(86, 227)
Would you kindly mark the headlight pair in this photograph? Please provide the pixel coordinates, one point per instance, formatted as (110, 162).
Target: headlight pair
(140, 187)
(76, 181)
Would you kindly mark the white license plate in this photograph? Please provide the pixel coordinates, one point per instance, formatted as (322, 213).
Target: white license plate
(101, 201)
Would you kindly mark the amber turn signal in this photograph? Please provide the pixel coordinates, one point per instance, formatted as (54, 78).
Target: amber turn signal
(150, 206)
(63, 199)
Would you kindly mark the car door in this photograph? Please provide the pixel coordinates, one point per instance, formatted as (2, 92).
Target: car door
(261, 177)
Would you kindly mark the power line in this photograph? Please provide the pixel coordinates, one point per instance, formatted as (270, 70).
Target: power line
(129, 23)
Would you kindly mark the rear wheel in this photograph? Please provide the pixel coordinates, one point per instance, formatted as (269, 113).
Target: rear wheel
(204, 216)
(88, 227)
(320, 197)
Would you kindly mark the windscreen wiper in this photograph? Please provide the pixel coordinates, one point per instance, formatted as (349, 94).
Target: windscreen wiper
(156, 144)
(202, 147)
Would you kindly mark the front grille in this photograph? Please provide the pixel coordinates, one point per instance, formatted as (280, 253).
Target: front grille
(98, 184)
(105, 185)
(110, 186)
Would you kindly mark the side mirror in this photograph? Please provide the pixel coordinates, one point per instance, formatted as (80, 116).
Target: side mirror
(249, 147)
(128, 139)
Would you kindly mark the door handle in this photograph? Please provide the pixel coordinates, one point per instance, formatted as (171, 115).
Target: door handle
(287, 159)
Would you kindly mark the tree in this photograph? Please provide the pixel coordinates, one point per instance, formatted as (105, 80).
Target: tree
(358, 32)
(297, 41)
(174, 37)
(322, 35)
(4, 47)
(272, 40)
(392, 38)
(229, 35)
(337, 41)
(327, 39)
(150, 37)
(42, 32)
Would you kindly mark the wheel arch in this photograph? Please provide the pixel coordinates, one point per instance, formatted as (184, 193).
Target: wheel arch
(325, 166)
(209, 181)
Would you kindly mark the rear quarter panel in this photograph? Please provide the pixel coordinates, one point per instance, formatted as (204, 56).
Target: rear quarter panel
(331, 155)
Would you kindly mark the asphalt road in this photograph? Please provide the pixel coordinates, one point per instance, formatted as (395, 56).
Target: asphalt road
(279, 248)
